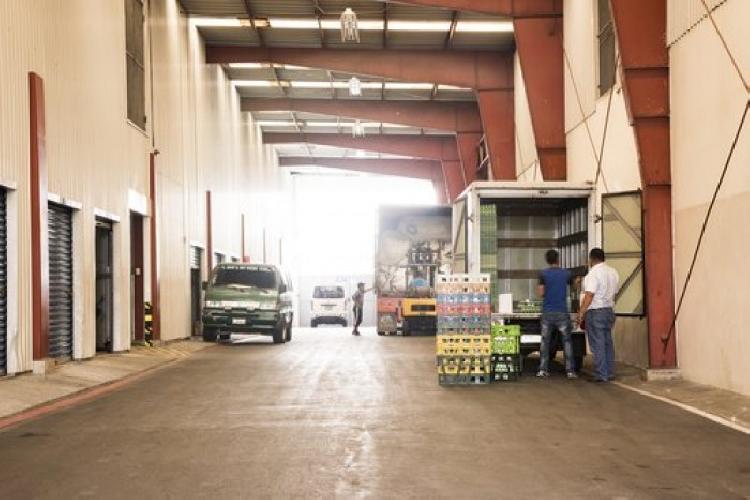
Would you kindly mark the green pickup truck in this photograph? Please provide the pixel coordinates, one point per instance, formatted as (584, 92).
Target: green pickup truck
(247, 298)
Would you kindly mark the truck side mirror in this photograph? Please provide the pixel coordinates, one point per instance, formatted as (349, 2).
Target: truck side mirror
(282, 288)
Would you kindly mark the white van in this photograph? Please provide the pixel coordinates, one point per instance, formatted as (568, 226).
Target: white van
(328, 306)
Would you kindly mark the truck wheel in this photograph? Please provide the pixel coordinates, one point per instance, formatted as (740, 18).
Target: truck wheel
(314, 324)
(209, 334)
(278, 335)
(289, 333)
(344, 323)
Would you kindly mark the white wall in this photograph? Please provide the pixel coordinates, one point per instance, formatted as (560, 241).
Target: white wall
(96, 158)
(707, 100)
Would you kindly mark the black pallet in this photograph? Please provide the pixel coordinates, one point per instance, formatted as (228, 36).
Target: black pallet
(505, 377)
(465, 379)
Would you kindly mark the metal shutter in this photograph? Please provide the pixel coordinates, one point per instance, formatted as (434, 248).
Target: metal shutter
(60, 282)
(3, 284)
(196, 254)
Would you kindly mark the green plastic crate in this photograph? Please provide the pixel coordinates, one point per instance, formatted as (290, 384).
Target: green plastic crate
(506, 339)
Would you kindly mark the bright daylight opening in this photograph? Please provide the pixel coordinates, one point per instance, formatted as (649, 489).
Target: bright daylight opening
(336, 219)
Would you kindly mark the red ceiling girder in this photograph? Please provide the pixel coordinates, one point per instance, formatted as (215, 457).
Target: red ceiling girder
(452, 116)
(471, 69)
(442, 148)
(641, 33)
(540, 52)
(417, 146)
(402, 167)
(468, 145)
(510, 8)
(497, 110)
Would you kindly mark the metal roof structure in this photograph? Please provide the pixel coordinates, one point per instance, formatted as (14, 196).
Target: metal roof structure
(316, 24)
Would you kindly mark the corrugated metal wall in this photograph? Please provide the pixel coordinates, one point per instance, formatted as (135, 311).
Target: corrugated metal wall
(95, 156)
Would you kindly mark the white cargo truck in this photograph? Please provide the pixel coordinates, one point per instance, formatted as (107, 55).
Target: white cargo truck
(505, 228)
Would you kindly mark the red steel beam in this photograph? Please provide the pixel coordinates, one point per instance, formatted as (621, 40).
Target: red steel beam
(510, 8)
(154, 250)
(539, 41)
(641, 30)
(479, 70)
(451, 116)
(442, 148)
(497, 109)
(39, 230)
(402, 167)
(417, 146)
(468, 150)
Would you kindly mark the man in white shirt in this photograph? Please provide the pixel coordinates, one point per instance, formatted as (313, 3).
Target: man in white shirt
(597, 309)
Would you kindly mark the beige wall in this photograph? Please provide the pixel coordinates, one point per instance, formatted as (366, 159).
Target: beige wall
(98, 160)
(707, 100)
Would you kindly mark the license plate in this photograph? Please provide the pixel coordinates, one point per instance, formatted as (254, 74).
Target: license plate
(531, 339)
(238, 321)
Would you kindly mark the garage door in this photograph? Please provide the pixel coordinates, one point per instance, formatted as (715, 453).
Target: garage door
(3, 285)
(60, 282)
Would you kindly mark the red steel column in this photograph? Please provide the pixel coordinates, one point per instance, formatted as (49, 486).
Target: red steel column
(496, 108)
(209, 234)
(154, 250)
(539, 41)
(641, 30)
(467, 149)
(39, 230)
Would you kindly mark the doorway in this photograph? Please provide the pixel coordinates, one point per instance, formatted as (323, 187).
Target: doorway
(196, 272)
(104, 286)
(137, 311)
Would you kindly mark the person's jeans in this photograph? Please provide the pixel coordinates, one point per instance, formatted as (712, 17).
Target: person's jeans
(599, 324)
(357, 317)
(552, 321)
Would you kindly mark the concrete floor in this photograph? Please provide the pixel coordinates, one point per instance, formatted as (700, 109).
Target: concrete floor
(332, 415)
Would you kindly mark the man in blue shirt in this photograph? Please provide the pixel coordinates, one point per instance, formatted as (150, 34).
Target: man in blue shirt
(553, 286)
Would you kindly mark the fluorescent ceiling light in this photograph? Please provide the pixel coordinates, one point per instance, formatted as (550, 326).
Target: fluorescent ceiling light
(407, 86)
(249, 65)
(270, 123)
(419, 25)
(301, 84)
(255, 83)
(484, 27)
(366, 25)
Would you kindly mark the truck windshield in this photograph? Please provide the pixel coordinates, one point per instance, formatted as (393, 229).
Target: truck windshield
(257, 278)
(328, 292)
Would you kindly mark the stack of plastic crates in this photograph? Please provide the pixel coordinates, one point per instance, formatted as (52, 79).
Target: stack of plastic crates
(488, 247)
(505, 346)
(463, 330)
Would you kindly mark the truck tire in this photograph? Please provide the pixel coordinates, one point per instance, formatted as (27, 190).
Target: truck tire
(344, 323)
(314, 324)
(209, 334)
(278, 335)
(381, 333)
(289, 333)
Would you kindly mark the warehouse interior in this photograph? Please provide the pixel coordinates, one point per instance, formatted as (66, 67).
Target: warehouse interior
(143, 143)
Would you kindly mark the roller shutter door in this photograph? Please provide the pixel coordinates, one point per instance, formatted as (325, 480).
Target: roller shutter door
(3, 284)
(60, 282)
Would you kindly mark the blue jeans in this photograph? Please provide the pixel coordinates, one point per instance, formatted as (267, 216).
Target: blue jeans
(599, 324)
(552, 321)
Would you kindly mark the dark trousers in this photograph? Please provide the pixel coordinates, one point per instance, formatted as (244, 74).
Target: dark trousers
(599, 324)
(357, 317)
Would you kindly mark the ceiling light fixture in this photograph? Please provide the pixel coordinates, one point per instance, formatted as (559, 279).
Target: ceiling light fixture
(355, 87)
(349, 28)
(358, 130)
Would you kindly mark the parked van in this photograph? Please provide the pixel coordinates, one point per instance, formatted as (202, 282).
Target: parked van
(248, 298)
(328, 306)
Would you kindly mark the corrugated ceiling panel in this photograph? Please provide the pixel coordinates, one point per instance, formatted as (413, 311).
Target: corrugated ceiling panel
(217, 8)
(229, 36)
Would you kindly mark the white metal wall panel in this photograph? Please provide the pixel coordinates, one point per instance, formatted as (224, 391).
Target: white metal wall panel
(683, 15)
